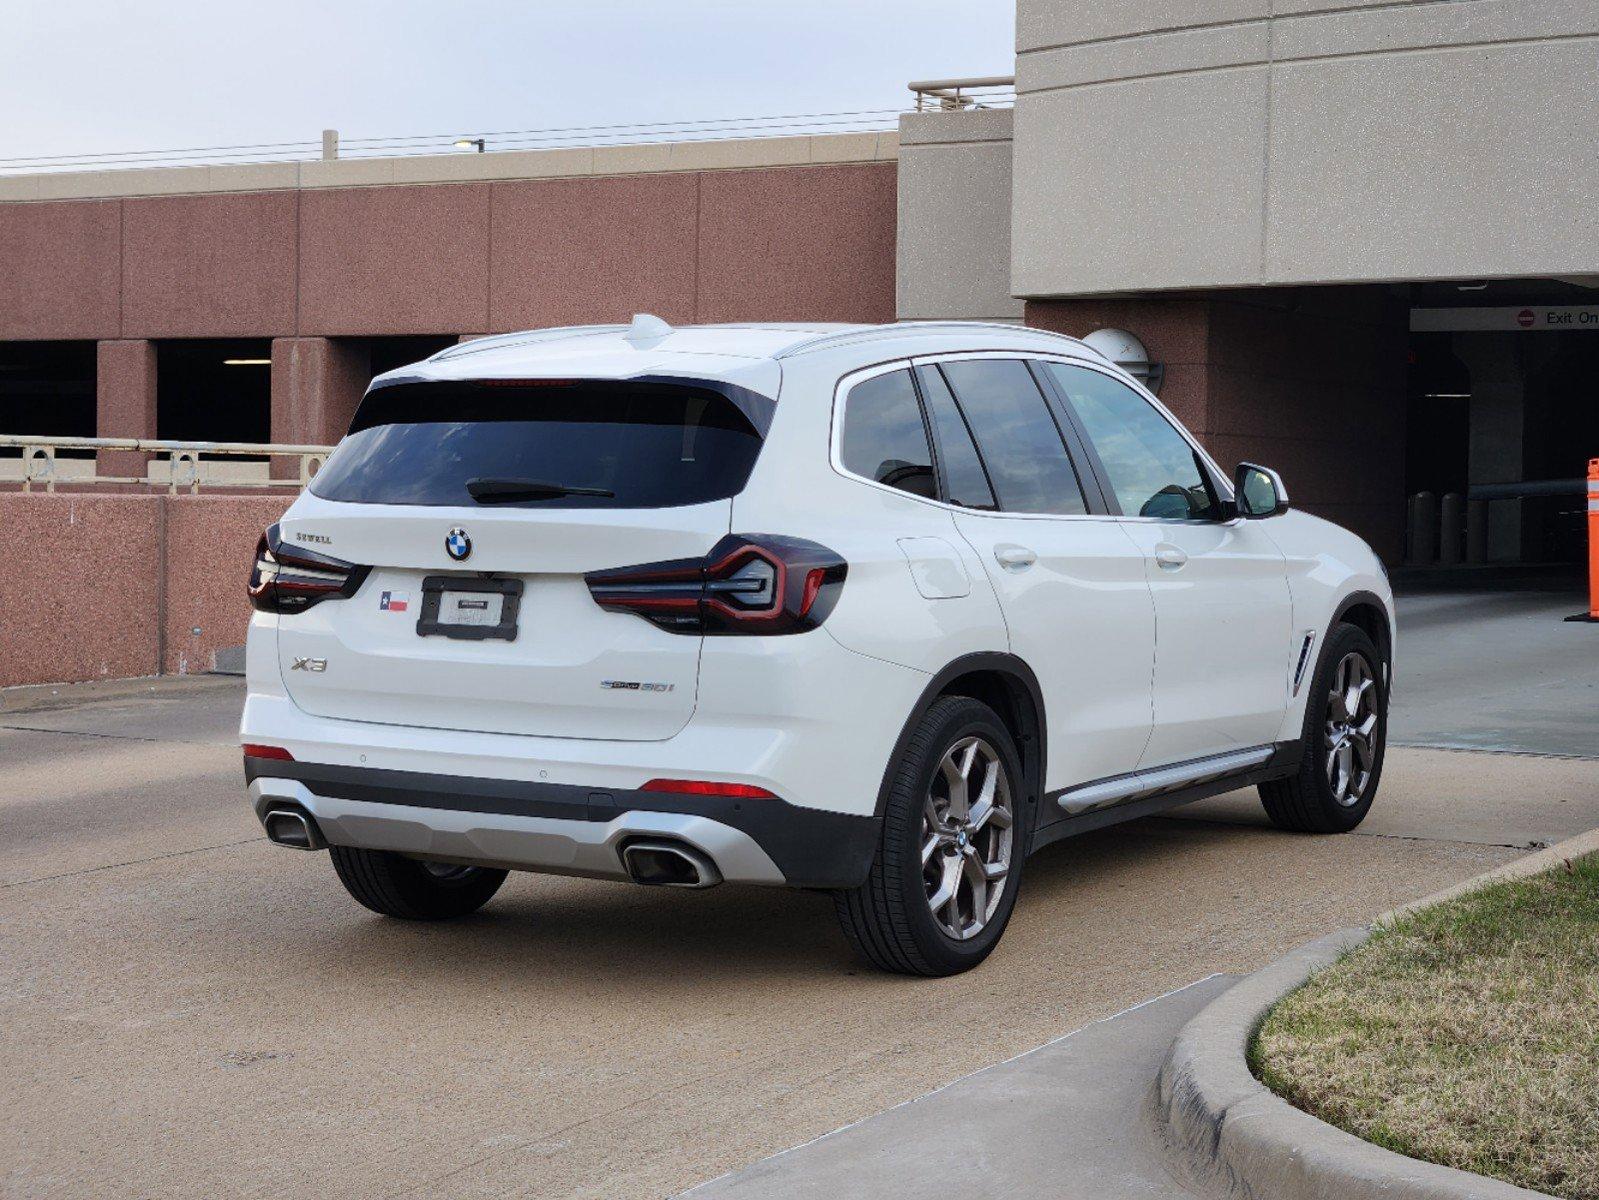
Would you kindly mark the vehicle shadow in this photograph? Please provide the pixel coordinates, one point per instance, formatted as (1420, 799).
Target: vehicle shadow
(654, 941)
(615, 935)
(1127, 855)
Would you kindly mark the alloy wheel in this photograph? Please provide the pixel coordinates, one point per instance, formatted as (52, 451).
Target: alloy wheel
(967, 837)
(1351, 752)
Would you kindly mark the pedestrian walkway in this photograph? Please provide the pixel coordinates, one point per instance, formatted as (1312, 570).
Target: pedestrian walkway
(1071, 1120)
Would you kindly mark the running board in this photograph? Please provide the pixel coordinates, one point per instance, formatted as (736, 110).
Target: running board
(1139, 785)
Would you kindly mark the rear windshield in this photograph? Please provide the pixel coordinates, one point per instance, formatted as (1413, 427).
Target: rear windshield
(629, 445)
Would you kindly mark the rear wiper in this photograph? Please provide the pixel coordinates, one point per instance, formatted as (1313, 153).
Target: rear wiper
(493, 491)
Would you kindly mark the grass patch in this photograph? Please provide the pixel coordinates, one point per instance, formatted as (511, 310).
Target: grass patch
(1466, 1034)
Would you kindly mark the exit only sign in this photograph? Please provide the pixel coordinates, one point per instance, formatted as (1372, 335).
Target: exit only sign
(1534, 317)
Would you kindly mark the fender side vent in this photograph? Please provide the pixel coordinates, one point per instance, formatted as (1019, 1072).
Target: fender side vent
(1304, 658)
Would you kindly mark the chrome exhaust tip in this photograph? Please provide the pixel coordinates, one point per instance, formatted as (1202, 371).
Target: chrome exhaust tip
(292, 828)
(669, 864)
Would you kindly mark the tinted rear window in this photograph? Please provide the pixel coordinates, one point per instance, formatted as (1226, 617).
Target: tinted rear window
(652, 445)
(884, 437)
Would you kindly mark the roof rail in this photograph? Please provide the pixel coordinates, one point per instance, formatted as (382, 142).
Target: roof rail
(525, 337)
(901, 328)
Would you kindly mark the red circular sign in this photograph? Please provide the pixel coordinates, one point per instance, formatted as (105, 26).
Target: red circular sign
(1524, 318)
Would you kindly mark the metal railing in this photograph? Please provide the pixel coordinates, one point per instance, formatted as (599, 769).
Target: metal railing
(333, 145)
(952, 95)
(184, 463)
(933, 95)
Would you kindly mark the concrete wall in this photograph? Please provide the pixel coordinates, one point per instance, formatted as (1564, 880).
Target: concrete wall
(1309, 381)
(659, 157)
(61, 269)
(742, 230)
(210, 544)
(1216, 143)
(954, 216)
(765, 229)
(129, 585)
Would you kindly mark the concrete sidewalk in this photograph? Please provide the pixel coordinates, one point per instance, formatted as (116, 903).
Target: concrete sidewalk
(1072, 1119)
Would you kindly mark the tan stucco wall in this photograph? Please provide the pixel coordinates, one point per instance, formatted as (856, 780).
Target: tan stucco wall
(1204, 143)
(954, 216)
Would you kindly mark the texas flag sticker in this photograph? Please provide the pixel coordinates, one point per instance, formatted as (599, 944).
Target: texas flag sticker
(394, 601)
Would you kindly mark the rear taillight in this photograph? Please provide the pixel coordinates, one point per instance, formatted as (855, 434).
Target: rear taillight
(289, 579)
(748, 583)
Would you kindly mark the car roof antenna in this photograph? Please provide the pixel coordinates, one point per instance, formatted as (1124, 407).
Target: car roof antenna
(646, 327)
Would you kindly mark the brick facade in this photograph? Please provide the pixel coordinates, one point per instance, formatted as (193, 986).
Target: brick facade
(1309, 381)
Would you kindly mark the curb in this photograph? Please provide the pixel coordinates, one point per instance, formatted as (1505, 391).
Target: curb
(1248, 1142)
(1520, 868)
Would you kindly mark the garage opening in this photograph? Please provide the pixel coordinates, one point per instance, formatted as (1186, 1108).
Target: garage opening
(1502, 418)
(47, 389)
(214, 390)
(391, 352)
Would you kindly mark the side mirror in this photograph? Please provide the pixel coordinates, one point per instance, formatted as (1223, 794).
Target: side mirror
(1258, 492)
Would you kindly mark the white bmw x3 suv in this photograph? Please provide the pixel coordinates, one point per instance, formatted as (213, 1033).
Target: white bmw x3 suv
(879, 610)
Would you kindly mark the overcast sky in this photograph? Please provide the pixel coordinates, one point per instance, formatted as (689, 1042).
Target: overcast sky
(81, 76)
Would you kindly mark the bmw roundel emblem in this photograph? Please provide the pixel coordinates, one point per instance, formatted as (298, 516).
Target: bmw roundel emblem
(457, 545)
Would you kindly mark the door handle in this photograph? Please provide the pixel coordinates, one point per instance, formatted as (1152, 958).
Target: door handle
(1170, 557)
(1014, 558)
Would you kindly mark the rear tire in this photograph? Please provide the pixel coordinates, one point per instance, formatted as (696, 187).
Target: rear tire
(1339, 767)
(952, 824)
(411, 890)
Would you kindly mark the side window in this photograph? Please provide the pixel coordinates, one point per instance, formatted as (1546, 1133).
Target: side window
(884, 437)
(1020, 442)
(965, 481)
(1150, 466)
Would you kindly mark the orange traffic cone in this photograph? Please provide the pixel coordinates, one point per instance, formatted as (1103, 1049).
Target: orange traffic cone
(1593, 545)
(1593, 539)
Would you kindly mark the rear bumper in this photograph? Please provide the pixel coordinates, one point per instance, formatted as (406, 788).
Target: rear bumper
(565, 828)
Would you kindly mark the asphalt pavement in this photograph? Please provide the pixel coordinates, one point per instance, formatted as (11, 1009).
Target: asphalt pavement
(190, 1011)
(1497, 670)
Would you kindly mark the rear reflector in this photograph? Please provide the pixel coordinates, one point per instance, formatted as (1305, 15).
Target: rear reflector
(704, 787)
(814, 579)
(254, 750)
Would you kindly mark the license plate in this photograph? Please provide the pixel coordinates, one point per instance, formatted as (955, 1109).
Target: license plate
(471, 609)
